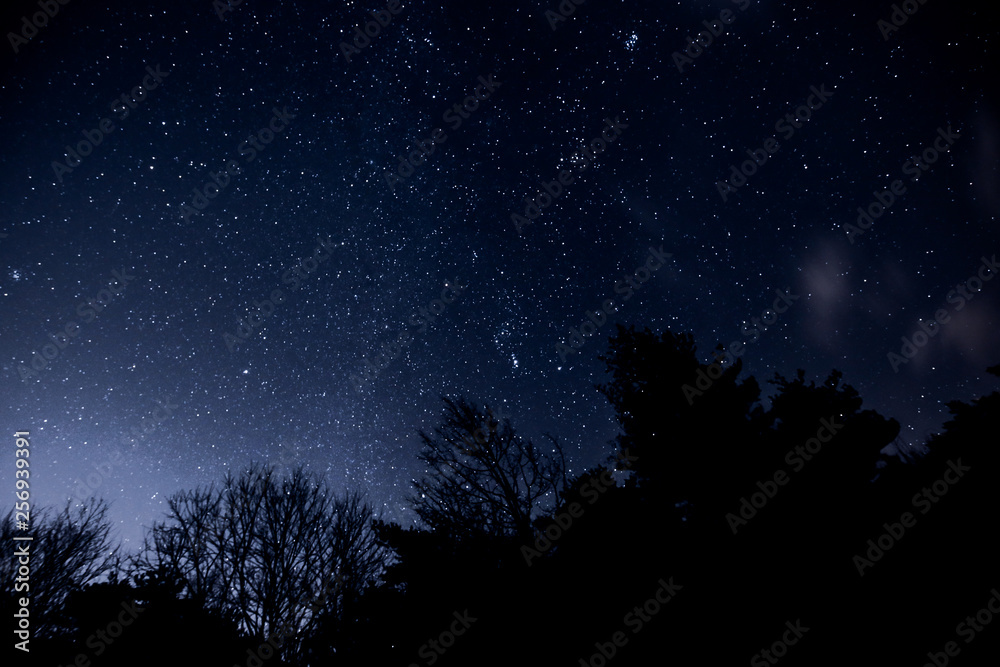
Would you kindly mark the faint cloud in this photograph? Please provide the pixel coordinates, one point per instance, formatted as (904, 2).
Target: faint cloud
(827, 285)
(971, 334)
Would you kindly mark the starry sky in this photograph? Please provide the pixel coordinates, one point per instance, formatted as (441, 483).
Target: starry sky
(300, 136)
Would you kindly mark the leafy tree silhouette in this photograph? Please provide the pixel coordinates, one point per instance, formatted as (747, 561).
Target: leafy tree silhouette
(686, 449)
(705, 443)
(943, 570)
(160, 626)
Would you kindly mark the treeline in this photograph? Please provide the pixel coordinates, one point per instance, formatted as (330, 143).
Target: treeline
(718, 530)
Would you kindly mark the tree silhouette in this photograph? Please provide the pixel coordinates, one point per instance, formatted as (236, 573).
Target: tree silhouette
(69, 550)
(687, 446)
(483, 478)
(263, 550)
(233, 563)
(158, 623)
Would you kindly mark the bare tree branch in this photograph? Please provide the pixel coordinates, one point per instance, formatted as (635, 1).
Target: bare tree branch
(482, 477)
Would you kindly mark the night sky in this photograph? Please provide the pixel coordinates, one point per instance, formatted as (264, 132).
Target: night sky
(301, 142)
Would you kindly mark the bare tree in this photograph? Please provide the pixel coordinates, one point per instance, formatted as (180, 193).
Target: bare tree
(483, 478)
(263, 550)
(68, 551)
